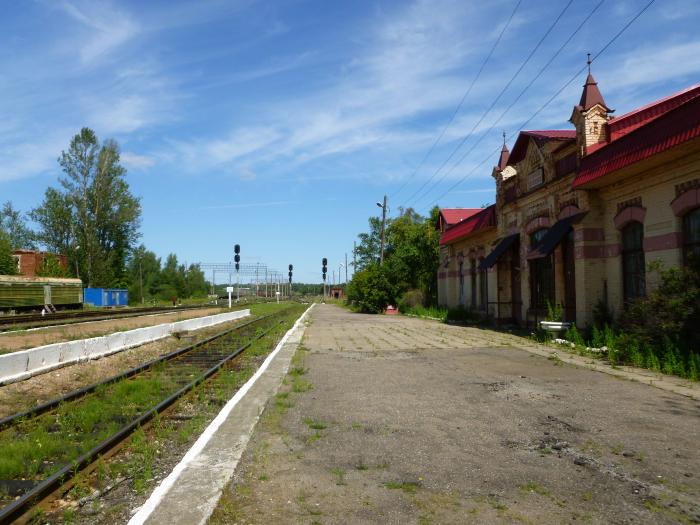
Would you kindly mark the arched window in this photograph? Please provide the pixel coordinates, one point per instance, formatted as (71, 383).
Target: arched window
(541, 275)
(461, 284)
(633, 265)
(691, 236)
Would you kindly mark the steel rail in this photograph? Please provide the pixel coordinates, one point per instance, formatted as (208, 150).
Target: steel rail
(8, 421)
(44, 488)
(41, 320)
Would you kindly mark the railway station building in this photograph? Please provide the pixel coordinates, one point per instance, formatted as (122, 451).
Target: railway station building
(580, 213)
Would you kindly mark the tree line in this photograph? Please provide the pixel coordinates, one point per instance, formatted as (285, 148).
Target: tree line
(93, 218)
(409, 270)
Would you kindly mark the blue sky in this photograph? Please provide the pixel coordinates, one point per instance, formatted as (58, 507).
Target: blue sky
(278, 125)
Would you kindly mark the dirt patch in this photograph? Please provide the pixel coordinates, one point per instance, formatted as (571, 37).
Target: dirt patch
(39, 389)
(21, 340)
(466, 429)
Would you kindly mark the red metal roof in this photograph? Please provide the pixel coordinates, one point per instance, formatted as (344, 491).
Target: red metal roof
(591, 95)
(540, 137)
(674, 127)
(452, 216)
(484, 218)
(620, 126)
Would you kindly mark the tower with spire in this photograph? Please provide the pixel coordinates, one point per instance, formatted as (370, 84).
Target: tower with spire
(590, 115)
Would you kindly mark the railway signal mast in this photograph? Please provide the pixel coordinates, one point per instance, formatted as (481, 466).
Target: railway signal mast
(291, 267)
(324, 269)
(237, 259)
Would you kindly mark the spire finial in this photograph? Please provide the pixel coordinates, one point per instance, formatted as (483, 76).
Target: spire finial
(504, 137)
(589, 63)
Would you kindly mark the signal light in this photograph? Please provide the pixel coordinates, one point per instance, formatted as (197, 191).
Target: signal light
(237, 248)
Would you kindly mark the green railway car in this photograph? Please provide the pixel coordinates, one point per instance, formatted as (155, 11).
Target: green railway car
(24, 293)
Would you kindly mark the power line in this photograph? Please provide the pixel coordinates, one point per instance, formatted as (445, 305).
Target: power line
(495, 101)
(516, 99)
(555, 95)
(461, 102)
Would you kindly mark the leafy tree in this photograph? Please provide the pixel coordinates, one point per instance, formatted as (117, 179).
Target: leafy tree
(368, 250)
(8, 265)
(371, 290)
(51, 267)
(94, 218)
(56, 223)
(13, 223)
(411, 258)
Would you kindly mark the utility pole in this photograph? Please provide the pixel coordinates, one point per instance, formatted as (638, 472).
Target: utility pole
(354, 256)
(346, 270)
(383, 207)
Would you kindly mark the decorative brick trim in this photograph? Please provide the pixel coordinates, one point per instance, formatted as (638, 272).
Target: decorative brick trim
(688, 185)
(629, 214)
(589, 234)
(442, 275)
(637, 201)
(667, 241)
(568, 211)
(537, 224)
(686, 201)
(598, 252)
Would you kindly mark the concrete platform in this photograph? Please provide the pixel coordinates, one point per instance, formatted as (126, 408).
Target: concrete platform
(417, 422)
(190, 493)
(23, 364)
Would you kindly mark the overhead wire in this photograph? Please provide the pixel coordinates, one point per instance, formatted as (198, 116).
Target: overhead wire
(495, 101)
(555, 95)
(461, 102)
(517, 98)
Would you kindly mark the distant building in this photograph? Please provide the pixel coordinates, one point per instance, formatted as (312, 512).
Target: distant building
(580, 213)
(30, 262)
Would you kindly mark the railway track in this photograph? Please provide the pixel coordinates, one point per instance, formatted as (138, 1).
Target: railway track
(44, 447)
(24, 321)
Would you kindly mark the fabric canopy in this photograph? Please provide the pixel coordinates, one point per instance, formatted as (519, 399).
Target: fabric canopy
(499, 250)
(554, 236)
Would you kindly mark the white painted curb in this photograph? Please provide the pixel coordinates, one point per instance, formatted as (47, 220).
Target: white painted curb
(17, 366)
(162, 489)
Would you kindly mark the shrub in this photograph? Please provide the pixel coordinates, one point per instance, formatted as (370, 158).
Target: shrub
(411, 299)
(370, 290)
(573, 335)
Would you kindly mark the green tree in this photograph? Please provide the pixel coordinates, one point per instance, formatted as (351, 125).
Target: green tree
(51, 267)
(95, 218)
(8, 265)
(12, 221)
(411, 259)
(371, 290)
(368, 249)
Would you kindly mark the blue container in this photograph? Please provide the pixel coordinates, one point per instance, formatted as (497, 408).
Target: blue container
(106, 297)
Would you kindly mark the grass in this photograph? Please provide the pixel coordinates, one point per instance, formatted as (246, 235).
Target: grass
(429, 312)
(314, 424)
(340, 475)
(532, 487)
(409, 487)
(37, 447)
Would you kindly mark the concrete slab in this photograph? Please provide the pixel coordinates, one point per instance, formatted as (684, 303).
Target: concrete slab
(410, 421)
(190, 493)
(17, 366)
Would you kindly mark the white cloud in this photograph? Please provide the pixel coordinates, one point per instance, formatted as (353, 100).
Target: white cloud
(108, 28)
(136, 161)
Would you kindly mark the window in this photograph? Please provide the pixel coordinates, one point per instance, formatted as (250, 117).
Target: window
(633, 271)
(461, 284)
(473, 283)
(483, 287)
(535, 178)
(691, 236)
(541, 275)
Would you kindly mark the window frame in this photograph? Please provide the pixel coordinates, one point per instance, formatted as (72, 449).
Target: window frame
(633, 256)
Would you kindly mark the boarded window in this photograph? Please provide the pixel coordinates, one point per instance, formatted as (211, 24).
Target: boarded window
(535, 178)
